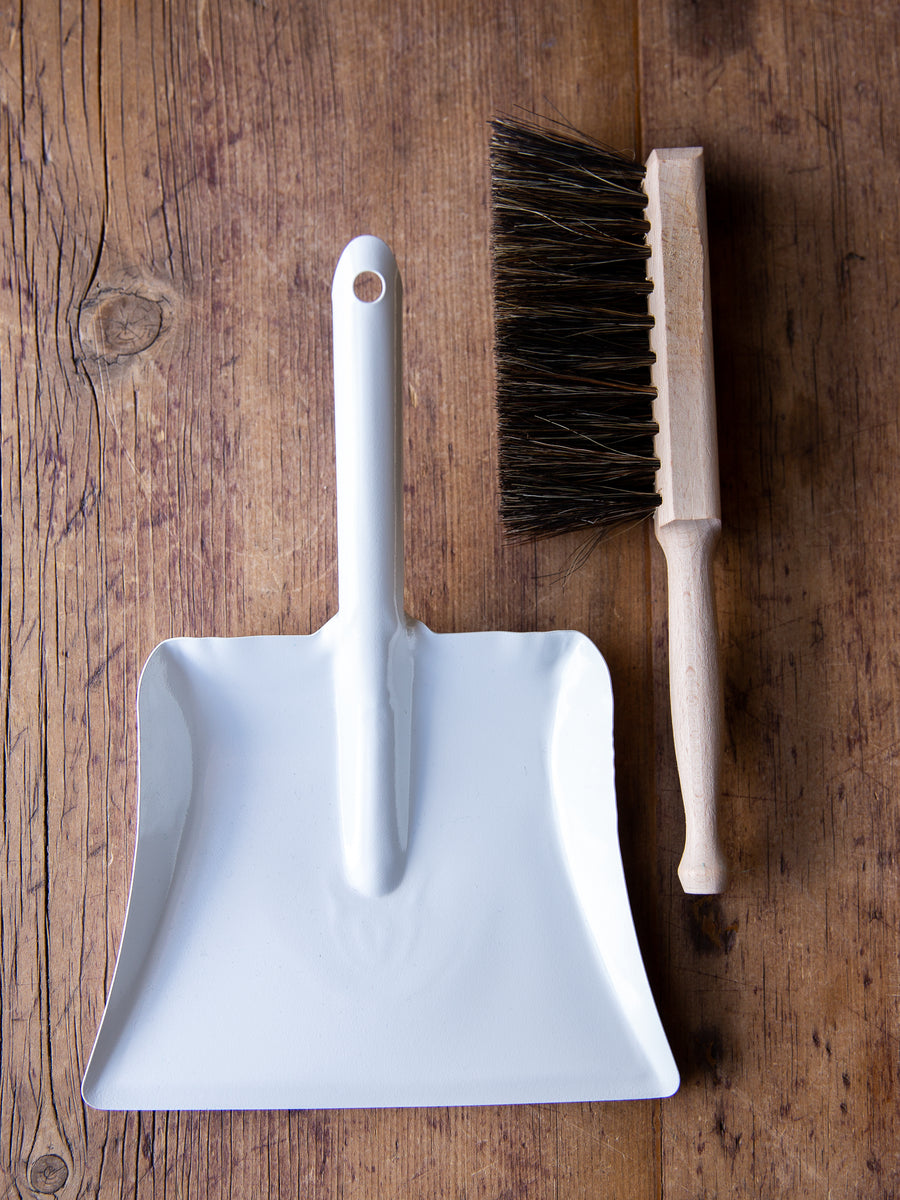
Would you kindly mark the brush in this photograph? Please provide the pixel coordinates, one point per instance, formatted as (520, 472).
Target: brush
(605, 396)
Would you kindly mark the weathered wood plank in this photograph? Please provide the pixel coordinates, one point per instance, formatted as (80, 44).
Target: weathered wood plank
(180, 182)
(787, 992)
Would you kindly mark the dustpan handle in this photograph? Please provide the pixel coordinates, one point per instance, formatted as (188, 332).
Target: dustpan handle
(373, 651)
(368, 430)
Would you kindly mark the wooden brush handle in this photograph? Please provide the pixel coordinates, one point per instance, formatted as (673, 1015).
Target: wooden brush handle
(688, 518)
(695, 687)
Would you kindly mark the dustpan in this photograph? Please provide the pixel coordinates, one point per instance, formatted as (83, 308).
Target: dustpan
(376, 866)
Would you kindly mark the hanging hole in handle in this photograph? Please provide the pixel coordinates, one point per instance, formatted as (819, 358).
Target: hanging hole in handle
(368, 286)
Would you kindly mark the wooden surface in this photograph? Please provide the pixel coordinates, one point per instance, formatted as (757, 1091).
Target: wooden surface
(180, 180)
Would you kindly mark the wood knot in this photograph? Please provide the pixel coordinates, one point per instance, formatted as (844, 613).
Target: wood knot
(117, 323)
(48, 1174)
(709, 931)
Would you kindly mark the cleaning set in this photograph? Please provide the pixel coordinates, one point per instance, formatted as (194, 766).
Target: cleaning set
(379, 866)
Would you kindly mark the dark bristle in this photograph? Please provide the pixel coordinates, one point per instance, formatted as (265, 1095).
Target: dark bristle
(572, 333)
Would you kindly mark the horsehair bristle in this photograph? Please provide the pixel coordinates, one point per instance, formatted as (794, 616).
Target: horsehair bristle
(572, 333)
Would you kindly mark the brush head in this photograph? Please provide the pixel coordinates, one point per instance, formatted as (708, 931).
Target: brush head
(572, 333)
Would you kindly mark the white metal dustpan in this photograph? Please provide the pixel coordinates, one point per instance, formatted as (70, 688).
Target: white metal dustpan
(376, 866)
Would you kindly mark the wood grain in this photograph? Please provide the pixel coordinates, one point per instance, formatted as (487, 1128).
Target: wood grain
(790, 979)
(180, 179)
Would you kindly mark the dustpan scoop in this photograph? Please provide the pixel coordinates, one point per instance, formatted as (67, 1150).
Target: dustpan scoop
(376, 866)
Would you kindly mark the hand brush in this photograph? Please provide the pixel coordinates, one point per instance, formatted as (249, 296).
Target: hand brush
(605, 398)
